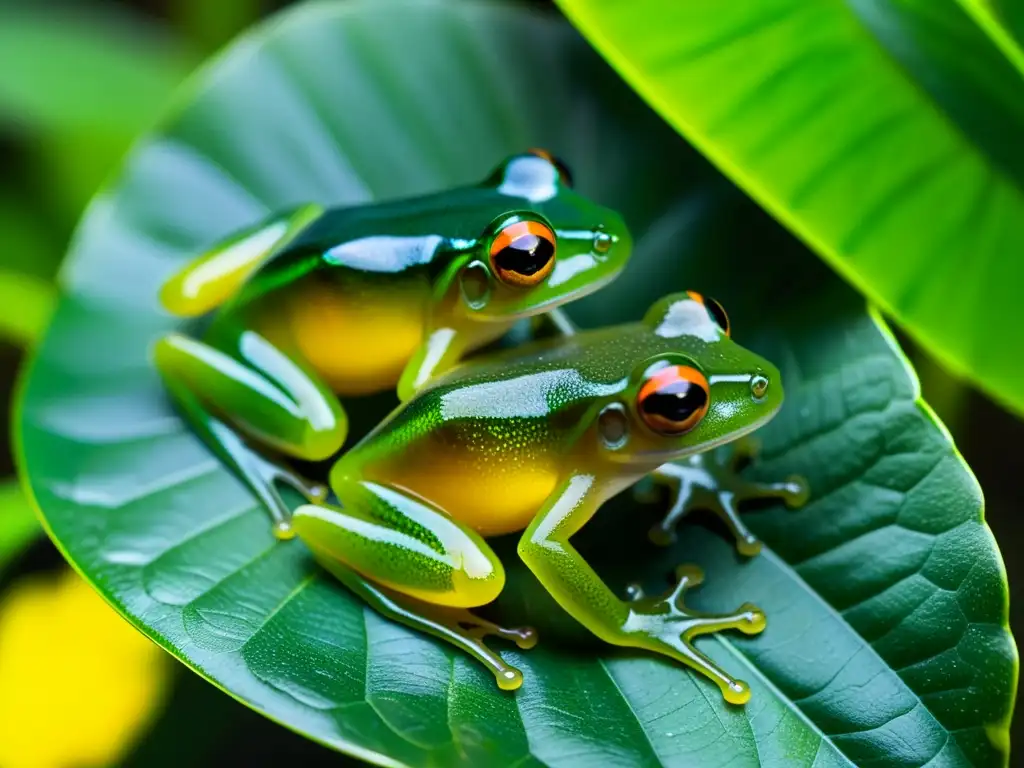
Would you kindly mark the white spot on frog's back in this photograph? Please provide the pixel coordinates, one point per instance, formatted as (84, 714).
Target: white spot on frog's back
(528, 396)
(385, 253)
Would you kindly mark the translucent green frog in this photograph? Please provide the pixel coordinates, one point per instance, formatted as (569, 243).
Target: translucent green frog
(535, 439)
(319, 303)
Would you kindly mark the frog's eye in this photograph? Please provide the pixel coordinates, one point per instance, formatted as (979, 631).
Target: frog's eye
(716, 310)
(523, 253)
(563, 170)
(674, 400)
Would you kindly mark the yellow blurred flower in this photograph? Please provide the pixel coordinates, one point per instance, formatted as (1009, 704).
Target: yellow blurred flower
(78, 685)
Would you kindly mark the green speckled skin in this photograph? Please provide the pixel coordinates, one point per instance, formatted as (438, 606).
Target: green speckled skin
(534, 400)
(317, 303)
(535, 439)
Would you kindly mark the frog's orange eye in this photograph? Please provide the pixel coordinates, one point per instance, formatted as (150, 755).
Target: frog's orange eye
(716, 310)
(674, 400)
(563, 170)
(523, 253)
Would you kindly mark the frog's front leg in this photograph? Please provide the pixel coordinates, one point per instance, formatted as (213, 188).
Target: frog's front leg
(712, 481)
(246, 386)
(412, 563)
(209, 280)
(445, 347)
(559, 321)
(663, 625)
(442, 349)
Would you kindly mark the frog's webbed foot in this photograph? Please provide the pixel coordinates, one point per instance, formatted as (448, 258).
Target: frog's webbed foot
(665, 625)
(267, 474)
(456, 625)
(711, 481)
(468, 631)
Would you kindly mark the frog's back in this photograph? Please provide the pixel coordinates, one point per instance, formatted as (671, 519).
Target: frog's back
(487, 442)
(396, 240)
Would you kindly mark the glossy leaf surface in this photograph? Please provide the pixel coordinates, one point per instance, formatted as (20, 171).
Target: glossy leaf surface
(886, 600)
(885, 133)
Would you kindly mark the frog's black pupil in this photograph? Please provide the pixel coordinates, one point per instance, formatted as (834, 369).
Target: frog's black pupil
(676, 402)
(717, 312)
(526, 255)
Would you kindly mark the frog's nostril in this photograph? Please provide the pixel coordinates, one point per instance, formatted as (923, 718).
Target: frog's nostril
(759, 386)
(603, 243)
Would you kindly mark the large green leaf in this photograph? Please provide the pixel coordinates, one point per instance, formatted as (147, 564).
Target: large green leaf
(887, 637)
(885, 133)
(1004, 19)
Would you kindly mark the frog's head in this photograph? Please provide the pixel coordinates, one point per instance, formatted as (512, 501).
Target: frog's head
(694, 389)
(552, 247)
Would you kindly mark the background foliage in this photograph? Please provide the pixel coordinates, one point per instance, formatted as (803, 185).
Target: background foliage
(883, 133)
(60, 136)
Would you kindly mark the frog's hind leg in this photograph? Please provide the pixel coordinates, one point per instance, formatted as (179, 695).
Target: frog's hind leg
(413, 563)
(261, 393)
(455, 625)
(712, 481)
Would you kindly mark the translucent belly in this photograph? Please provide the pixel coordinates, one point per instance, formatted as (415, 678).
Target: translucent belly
(358, 335)
(492, 491)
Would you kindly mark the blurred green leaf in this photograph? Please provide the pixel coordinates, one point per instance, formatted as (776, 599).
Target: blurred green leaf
(70, 166)
(213, 24)
(887, 639)
(18, 523)
(26, 303)
(76, 69)
(885, 133)
(28, 244)
(1007, 14)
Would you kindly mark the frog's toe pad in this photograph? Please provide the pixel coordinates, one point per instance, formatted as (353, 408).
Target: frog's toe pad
(509, 678)
(283, 530)
(687, 576)
(662, 534)
(799, 492)
(752, 619)
(736, 692)
(524, 637)
(748, 545)
(634, 592)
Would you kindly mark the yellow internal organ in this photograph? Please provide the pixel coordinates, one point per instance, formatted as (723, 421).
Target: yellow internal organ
(358, 340)
(491, 497)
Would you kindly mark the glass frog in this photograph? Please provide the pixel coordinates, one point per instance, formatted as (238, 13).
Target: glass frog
(319, 303)
(534, 439)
